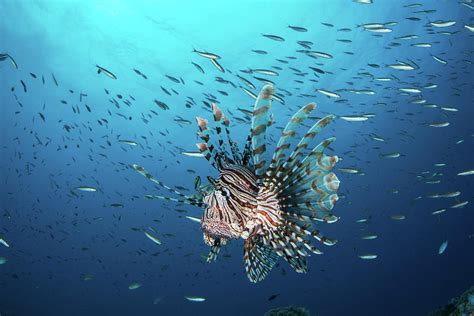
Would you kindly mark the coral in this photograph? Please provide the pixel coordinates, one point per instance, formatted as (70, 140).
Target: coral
(460, 306)
(288, 311)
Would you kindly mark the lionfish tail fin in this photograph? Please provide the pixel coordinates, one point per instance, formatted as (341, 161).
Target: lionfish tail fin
(259, 259)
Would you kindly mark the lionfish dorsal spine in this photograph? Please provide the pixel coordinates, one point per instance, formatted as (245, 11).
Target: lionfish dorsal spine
(289, 132)
(260, 120)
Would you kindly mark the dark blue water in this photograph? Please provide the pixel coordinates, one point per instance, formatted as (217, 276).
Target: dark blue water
(72, 253)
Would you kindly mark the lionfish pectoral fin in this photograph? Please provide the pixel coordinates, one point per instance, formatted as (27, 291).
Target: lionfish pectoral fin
(288, 133)
(298, 263)
(259, 259)
(306, 191)
(194, 200)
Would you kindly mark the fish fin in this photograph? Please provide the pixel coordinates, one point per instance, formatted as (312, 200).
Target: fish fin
(287, 244)
(206, 149)
(288, 133)
(215, 249)
(308, 187)
(260, 119)
(184, 198)
(315, 162)
(186, 201)
(221, 123)
(236, 156)
(305, 191)
(247, 153)
(303, 144)
(258, 258)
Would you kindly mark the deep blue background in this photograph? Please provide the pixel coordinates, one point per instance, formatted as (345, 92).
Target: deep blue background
(57, 237)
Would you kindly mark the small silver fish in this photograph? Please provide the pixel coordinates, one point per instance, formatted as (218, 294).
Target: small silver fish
(368, 257)
(134, 286)
(442, 247)
(3, 242)
(108, 73)
(328, 93)
(192, 154)
(194, 219)
(153, 238)
(207, 54)
(86, 189)
(195, 299)
(440, 124)
(354, 118)
(466, 173)
(128, 142)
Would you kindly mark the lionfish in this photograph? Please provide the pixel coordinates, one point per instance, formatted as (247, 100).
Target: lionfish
(272, 206)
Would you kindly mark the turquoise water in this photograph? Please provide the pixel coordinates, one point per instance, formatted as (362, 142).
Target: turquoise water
(74, 252)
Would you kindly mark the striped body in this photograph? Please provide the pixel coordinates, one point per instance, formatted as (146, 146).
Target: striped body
(238, 207)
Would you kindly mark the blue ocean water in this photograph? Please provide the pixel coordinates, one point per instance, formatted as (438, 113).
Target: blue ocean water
(74, 252)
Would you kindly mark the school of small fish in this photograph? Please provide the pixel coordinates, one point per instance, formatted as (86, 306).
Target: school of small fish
(126, 127)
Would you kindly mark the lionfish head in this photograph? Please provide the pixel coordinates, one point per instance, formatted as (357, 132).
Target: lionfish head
(217, 220)
(230, 203)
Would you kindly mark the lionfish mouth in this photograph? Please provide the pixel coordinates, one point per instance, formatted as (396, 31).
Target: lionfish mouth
(272, 204)
(216, 228)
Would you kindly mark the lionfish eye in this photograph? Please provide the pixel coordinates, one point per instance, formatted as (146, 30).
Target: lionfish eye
(224, 192)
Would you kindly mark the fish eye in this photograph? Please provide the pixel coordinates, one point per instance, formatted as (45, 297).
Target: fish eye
(224, 192)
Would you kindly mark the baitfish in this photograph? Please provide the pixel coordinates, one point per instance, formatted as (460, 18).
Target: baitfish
(128, 142)
(354, 118)
(298, 28)
(194, 219)
(207, 54)
(192, 154)
(328, 93)
(134, 286)
(368, 257)
(274, 37)
(195, 299)
(108, 73)
(466, 173)
(3, 242)
(442, 247)
(152, 238)
(440, 23)
(86, 189)
(7, 56)
(254, 198)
